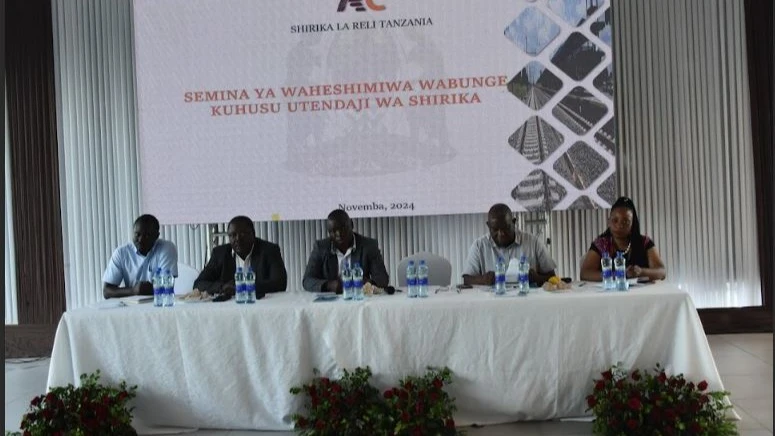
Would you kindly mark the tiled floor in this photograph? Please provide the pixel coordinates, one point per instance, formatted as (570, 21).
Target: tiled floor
(744, 362)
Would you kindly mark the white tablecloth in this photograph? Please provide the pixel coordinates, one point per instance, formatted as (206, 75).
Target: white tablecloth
(223, 365)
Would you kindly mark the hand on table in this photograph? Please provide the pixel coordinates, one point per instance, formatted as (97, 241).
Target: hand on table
(143, 288)
(633, 271)
(334, 286)
(228, 288)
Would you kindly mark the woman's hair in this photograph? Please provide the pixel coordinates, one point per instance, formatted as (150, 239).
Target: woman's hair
(637, 248)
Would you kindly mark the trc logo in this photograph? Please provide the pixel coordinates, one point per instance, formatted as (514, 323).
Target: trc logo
(359, 5)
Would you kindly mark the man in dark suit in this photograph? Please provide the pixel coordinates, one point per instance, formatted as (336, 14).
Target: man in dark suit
(343, 246)
(246, 250)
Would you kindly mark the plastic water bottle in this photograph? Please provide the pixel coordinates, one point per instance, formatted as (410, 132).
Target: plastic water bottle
(411, 280)
(523, 275)
(357, 274)
(608, 274)
(500, 276)
(250, 285)
(347, 283)
(169, 288)
(620, 272)
(158, 289)
(422, 280)
(239, 286)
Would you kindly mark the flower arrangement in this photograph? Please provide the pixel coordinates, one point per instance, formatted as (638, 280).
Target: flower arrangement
(654, 403)
(349, 406)
(352, 406)
(420, 406)
(90, 409)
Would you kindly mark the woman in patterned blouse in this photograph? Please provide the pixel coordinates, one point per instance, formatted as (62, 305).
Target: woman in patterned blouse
(623, 234)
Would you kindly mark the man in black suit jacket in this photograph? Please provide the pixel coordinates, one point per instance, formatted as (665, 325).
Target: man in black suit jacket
(322, 272)
(244, 248)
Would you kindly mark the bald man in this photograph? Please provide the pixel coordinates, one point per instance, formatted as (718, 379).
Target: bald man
(505, 240)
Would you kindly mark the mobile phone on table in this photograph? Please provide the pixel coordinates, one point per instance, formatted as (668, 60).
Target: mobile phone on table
(464, 286)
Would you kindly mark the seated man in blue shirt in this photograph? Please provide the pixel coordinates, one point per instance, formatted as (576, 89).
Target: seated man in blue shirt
(135, 263)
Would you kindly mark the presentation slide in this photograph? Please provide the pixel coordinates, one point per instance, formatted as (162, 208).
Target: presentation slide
(286, 110)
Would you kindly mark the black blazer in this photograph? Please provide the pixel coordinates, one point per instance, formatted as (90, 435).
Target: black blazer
(267, 263)
(323, 265)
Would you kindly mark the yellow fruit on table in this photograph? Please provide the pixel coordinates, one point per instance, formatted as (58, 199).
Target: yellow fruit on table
(554, 280)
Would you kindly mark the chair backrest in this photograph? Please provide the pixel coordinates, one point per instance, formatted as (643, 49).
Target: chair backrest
(184, 283)
(439, 269)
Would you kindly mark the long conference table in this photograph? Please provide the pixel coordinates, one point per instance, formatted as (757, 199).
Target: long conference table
(230, 366)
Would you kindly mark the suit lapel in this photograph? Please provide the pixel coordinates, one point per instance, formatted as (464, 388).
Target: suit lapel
(229, 266)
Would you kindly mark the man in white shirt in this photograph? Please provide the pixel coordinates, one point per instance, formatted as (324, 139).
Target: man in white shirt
(504, 240)
(134, 264)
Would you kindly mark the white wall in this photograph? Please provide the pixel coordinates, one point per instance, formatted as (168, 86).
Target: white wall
(11, 310)
(684, 155)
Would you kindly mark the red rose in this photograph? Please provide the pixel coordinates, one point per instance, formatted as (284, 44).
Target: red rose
(634, 404)
(50, 397)
(408, 385)
(418, 408)
(690, 386)
(591, 401)
(320, 425)
(35, 401)
(695, 428)
(681, 382)
(48, 414)
(56, 433)
(636, 375)
(434, 396)
(670, 415)
(600, 385)
(302, 423)
(620, 384)
(336, 387)
(662, 377)
(450, 423)
(27, 433)
(632, 424)
(312, 390)
(324, 381)
(437, 383)
(608, 375)
(122, 396)
(694, 406)
(703, 399)
(388, 394)
(405, 417)
(702, 385)
(421, 393)
(417, 431)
